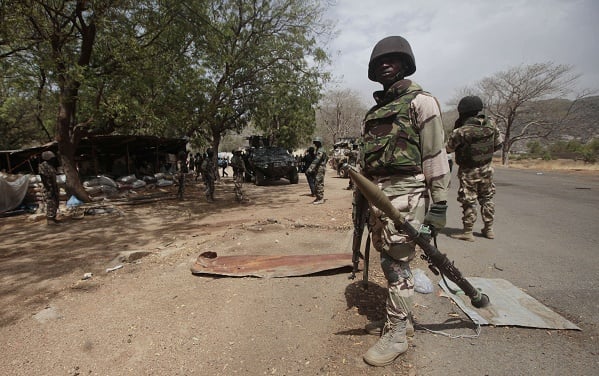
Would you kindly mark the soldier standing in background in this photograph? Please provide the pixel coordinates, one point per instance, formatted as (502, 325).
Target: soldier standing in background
(307, 161)
(181, 173)
(352, 159)
(403, 152)
(209, 173)
(317, 169)
(238, 166)
(474, 139)
(47, 171)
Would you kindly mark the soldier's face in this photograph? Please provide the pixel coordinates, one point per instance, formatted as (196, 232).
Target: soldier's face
(388, 69)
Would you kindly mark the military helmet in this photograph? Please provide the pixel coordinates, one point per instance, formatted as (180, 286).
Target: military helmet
(471, 103)
(392, 45)
(317, 139)
(47, 155)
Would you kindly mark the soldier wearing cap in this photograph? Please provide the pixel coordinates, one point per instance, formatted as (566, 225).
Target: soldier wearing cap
(474, 139)
(403, 152)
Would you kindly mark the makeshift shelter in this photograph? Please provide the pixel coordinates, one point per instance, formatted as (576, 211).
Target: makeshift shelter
(100, 154)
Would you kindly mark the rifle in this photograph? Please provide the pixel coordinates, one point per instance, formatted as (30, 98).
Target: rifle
(360, 218)
(437, 260)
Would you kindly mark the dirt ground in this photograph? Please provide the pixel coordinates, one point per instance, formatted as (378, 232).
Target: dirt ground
(154, 317)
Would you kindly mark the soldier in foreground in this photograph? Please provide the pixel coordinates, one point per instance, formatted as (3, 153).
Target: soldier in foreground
(404, 154)
(474, 139)
(47, 171)
(317, 169)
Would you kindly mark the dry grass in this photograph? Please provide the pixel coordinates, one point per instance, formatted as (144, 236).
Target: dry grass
(553, 165)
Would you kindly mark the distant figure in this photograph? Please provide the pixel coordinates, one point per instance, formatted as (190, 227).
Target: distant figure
(307, 161)
(238, 166)
(317, 170)
(47, 171)
(181, 173)
(209, 172)
(474, 139)
(225, 165)
(353, 156)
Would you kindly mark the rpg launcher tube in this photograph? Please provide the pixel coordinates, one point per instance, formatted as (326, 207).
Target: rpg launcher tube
(377, 198)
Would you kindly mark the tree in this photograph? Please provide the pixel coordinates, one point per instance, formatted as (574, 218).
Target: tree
(517, 100)
(340, 114)
(59, 38)
(246, 51)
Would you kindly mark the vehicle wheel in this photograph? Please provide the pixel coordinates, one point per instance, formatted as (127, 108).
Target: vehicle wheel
(260, 179)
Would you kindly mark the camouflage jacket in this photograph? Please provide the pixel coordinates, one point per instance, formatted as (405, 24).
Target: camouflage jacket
(474, 142)
(319, 163)
(48, 175)
(403, 135)
(237, 163)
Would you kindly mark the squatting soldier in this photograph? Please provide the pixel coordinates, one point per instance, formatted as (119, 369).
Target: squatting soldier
(317, 169)
(403, 152)
(47, 171)
(474, 139)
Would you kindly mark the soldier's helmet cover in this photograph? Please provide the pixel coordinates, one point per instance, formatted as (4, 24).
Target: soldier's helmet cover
(47, 155)
(471, 103)
(392, 45)
(317, 139)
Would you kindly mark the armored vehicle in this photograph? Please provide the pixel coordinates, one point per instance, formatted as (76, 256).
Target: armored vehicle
(266, 163)
(338, 159)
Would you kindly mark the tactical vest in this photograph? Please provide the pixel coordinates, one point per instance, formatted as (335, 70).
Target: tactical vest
(479, 144)
(391, 141)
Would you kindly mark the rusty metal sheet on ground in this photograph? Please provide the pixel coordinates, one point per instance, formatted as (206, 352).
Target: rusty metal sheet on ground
(269, 266)
(509, 306)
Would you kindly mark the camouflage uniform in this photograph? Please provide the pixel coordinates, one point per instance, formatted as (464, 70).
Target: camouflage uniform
(411, 119)
(352, 160)
(317, 169)
(209, 173)
(51, 195)
(181, 173)
(474, 142)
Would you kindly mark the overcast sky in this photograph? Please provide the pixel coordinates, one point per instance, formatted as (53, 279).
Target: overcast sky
(458, 42)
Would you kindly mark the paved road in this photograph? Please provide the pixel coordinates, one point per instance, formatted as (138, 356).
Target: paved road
(547, 236)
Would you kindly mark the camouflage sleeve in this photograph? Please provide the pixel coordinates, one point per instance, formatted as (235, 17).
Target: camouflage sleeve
(498, 139)
(432, 144)
(454, 140)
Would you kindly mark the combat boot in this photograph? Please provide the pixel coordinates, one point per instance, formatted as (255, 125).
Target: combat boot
(376, 327)
(392, 344)
(488, 231)
(466, 235)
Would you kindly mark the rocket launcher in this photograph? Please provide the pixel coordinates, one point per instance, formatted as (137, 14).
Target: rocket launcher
(437, 261)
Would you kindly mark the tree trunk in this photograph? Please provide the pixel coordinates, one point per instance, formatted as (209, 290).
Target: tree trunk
(67, 145)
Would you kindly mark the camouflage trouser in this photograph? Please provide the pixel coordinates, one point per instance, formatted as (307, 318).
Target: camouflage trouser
(209, 190)
(476, 184)
(397, 250)
(181, 181)
(319, 184)
(51, 199)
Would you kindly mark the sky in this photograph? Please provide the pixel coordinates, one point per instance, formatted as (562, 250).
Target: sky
(459, 42)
